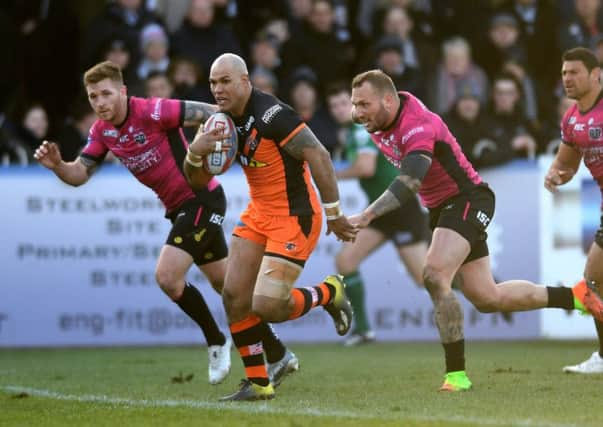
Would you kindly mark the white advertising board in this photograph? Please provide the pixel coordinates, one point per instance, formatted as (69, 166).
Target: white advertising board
(78, 266)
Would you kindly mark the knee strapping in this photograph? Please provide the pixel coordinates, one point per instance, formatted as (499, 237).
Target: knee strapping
(276, 278)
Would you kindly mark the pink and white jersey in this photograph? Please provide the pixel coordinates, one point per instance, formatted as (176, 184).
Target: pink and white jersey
(584, 132)
(150, 143)
(419, 130)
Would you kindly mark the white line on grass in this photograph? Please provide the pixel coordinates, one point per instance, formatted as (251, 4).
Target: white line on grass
(261, 407)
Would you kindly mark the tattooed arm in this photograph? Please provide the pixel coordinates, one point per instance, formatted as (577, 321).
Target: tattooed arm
(73, 173)
(196, 113)
(306, 147)
(413, 169)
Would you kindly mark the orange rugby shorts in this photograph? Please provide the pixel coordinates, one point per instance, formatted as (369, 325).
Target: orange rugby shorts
(292, 237)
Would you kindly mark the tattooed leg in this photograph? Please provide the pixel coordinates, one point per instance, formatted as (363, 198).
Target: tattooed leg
(448, 317)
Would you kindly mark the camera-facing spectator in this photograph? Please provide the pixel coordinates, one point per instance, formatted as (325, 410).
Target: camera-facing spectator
(304, 98)
(584, 28)
(318, 47)
(455, 71)
(158, 85)
(503, 43)
(508, 127)
(466, 121)
(265, 54)
(117, 50)
(389, 57)
(201, 38)
(185, 75)
(538, 20)
(124, 17)
(154, 46)
(264, 80)
(419, 53)
(25, 132)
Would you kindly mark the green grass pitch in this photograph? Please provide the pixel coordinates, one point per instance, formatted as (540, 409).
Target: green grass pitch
(515, 384)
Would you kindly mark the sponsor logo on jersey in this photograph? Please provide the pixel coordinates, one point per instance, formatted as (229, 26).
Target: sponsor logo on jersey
(250, 122)
(271, 112)
(141, 162)
(590, 121)
(251, 163)
(595, 133)
(579, 127)
(387, 140)
(123, 138)
(412, 132)
(140, 138)
(251, 143)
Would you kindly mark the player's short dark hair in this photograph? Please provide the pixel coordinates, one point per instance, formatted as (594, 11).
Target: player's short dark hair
(378, 79)
(101, 71)
(582, 54)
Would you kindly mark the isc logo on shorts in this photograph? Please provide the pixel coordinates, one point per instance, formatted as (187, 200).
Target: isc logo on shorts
(483, 218)
(216, 219)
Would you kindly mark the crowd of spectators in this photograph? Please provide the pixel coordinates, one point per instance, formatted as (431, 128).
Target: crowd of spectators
(489, 67)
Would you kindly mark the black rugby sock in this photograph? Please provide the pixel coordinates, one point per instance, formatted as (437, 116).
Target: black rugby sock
(193, 304)
(273, 347)
(560, 297)
(599, 327)
(455, 356)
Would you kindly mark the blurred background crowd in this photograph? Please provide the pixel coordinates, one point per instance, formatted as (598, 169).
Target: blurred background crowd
(491, 68)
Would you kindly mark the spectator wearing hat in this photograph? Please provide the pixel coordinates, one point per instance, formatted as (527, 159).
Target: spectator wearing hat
(154, 47)
(538, 20)
(502, 43)
(265, 54)
(117, 50)
(304, 98)
(466, 120)
(389, 57)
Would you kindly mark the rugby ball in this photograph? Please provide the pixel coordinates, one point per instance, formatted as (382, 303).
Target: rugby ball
(218, 162)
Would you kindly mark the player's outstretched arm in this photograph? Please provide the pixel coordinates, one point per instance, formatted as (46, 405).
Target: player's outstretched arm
(564, 167)
(413, 169)
(196, 113)
(305, 146)
(73, 173)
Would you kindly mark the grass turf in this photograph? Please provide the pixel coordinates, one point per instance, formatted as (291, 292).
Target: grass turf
(515, 384)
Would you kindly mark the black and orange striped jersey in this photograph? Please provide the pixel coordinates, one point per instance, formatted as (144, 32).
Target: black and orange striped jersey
(279, 184)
